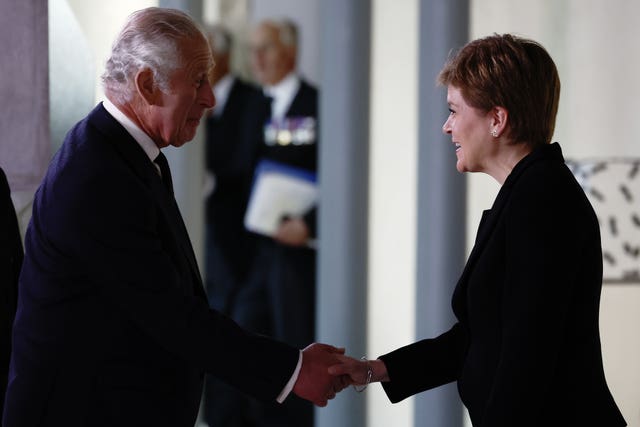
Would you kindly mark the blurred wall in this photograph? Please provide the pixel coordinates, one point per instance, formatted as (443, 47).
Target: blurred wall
(24, 90)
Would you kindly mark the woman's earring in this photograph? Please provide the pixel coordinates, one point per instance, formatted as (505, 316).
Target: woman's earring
(494, 133)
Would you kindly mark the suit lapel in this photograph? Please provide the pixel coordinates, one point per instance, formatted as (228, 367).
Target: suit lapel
(182, 236)
(170, 209)
(233, 98)
(140, 164)
(490, 219)
(488, 223)
(300, 105)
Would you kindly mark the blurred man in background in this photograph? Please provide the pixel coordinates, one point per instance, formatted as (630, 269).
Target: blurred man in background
(279, 296)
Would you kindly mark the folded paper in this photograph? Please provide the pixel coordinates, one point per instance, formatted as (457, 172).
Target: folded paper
(279, 191)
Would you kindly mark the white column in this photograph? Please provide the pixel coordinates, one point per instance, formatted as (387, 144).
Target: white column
(392, 205)
(441, 201)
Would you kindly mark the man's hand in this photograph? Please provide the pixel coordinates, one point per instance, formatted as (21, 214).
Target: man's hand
(314, 381)
(293, 232)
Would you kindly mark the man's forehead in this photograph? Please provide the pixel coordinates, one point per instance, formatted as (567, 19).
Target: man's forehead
(197, 53)
(265, 34)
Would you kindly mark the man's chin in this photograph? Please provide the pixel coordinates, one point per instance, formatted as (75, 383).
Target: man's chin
(183, 139)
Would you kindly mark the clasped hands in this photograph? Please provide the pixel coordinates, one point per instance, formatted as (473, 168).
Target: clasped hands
(326, 371)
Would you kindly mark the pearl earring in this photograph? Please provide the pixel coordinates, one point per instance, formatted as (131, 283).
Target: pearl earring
(494, 133)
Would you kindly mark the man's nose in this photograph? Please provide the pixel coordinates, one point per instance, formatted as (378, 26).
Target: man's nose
(208, 99)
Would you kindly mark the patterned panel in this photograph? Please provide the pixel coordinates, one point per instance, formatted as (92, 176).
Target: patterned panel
(613, 187)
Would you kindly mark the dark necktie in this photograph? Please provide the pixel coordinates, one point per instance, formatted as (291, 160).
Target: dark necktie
(268, 102)
(165, 173)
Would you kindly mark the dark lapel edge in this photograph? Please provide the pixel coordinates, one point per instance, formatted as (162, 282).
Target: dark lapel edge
(137, 159)
(491, 218)
(302, 103)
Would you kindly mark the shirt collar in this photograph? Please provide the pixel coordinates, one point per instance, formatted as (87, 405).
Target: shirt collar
(144, 140)
(283, 93)
(221, 91)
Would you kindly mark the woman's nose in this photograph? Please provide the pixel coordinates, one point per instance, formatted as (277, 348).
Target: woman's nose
(446, 129)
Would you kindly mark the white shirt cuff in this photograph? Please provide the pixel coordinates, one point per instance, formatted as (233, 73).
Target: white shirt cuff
(292, 381)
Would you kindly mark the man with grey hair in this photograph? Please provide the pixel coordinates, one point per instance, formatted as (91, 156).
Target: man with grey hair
(113, 326)
(279, 295)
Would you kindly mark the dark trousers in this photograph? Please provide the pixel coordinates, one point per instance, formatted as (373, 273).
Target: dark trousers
(277, 299)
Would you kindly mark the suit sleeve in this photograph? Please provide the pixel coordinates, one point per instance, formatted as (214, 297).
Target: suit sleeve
(114, 228)
(425, 364)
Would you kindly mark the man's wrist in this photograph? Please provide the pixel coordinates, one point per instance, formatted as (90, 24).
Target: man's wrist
(292, 381)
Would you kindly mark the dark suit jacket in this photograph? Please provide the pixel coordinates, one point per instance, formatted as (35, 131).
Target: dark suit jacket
(230, 157)
(10, 263)
(526, 348)
(113, 326)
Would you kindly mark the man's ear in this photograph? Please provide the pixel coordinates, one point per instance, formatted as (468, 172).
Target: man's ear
(146, 87)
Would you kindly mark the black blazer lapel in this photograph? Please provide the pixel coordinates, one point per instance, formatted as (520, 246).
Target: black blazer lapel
(491, 217)
(305, 102)
(132, 154)
(487, 224)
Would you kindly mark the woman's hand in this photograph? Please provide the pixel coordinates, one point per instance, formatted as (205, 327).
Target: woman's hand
(358, 370)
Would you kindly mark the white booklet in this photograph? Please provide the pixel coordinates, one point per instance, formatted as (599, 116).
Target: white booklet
(279, 191)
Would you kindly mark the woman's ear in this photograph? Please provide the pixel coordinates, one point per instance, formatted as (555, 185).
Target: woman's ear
(146, 87)
(499, 119)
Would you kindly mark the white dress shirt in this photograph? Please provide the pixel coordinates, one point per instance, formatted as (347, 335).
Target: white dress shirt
(134, 130)
(282, 94)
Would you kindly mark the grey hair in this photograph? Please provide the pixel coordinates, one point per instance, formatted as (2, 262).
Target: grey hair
(287, 30)
(149, 39)
(219, 38)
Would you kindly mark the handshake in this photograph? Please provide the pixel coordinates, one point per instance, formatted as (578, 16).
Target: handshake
(326, 371)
